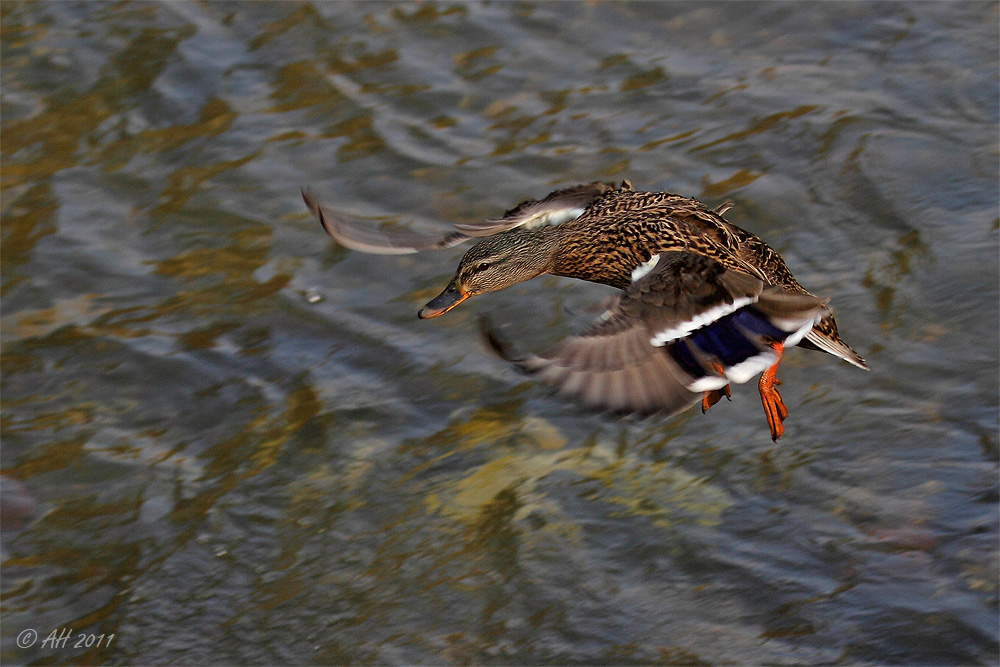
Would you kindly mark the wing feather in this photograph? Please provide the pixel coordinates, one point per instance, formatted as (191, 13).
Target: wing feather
(375, 241)
(558, 207)
(620, 364)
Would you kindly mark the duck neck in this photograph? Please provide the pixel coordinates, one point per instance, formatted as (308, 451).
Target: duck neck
(597, 259)
(545, 243)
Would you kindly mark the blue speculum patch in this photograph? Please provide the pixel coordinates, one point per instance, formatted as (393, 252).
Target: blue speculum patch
(725, 340)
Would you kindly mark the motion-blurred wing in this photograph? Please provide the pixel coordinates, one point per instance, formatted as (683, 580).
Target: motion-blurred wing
(371, 240)
(617, 371)
(560, 206)
(684, 326)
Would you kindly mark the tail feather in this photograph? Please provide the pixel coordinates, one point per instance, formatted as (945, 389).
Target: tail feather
(824, 337)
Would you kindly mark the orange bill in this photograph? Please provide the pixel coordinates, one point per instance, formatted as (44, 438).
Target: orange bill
(443, 302)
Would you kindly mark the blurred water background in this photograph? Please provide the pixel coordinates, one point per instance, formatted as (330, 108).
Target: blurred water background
(228, 440)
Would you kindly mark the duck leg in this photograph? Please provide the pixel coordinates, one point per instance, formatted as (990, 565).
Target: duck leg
(774, 407)
(713, 396)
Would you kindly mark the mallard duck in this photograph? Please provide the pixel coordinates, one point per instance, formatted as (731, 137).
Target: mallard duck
(702, 303)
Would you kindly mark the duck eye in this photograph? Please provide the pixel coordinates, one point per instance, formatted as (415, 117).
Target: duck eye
(482, 266)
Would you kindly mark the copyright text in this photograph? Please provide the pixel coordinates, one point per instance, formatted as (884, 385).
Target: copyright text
(64, 638)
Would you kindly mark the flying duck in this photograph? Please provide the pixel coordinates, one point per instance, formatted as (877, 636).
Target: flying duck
(702, 302)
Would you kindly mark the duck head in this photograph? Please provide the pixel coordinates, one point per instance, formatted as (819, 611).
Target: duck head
(494, 263)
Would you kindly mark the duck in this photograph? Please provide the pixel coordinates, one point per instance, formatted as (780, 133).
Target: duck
(701, 302)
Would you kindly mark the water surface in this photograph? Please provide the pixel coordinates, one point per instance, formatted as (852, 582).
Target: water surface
(227, 440)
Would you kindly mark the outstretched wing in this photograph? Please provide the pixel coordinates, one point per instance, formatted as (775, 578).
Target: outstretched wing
(371, 240)
(558, 207)
(684, 326)
(615, 370)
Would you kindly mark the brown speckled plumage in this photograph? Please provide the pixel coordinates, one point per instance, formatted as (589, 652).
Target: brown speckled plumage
(682, 269)
(624, 228)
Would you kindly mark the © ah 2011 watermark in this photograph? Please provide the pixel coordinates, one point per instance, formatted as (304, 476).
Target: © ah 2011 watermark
(64, 638)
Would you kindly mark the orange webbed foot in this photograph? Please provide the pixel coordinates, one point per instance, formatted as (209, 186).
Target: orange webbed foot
(713, 396)
(774, 407)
